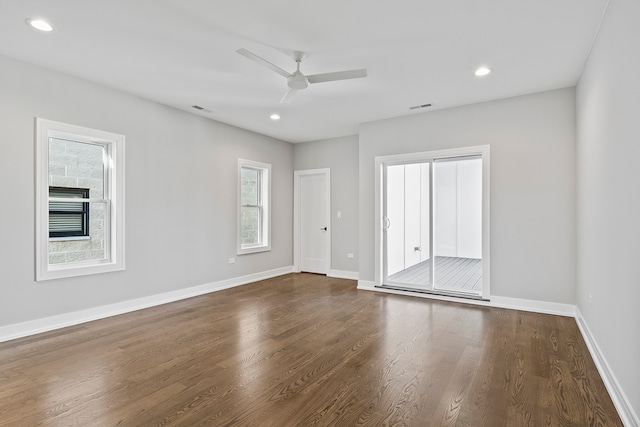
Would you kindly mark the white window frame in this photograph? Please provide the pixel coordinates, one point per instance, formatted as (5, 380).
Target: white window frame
(265, 211)
(114, 145)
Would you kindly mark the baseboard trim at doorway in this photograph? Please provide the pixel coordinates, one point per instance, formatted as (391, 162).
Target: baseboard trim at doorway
(443, 293)
(495, 301)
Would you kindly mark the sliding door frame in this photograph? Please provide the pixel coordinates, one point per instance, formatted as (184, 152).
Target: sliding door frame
(382, 162)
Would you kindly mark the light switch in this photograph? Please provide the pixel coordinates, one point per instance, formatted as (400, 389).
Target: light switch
(339, 214)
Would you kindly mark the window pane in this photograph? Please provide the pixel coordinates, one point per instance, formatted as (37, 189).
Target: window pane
(76, 169)
(94, 248)
(68, 219)
(69, 224)
(250, 225)
(65, 207)
(253, 210)
(78, 165)
(250, 184)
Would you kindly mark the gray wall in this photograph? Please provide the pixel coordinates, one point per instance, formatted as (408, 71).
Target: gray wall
(181, 173)
(341, 156)
(608, 105)
(532, 141)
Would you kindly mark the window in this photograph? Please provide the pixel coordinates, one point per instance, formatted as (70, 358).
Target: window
(79, 201)
(68, 219)
(254, 207)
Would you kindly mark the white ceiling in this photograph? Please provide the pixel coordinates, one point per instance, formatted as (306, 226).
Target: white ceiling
(182, 52)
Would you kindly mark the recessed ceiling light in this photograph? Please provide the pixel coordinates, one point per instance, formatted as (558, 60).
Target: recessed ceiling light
(275, 116)
(40, 24)
(483, 71)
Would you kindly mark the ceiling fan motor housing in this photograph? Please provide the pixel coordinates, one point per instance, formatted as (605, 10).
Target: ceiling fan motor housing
(297, 81)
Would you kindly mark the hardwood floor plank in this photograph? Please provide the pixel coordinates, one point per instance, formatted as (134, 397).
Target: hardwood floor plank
(457, 391)
(305, 350)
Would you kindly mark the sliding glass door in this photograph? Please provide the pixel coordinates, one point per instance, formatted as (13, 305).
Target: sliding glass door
(433, 224)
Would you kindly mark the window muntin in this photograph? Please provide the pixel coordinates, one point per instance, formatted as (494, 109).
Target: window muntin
(76, 238)
(253, 210)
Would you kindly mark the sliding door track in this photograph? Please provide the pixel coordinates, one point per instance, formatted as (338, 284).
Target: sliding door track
(442, 293)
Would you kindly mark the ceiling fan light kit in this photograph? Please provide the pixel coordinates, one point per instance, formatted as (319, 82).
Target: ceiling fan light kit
(297, 80)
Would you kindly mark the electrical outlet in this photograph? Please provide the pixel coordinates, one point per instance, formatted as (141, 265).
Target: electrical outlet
(232, 260)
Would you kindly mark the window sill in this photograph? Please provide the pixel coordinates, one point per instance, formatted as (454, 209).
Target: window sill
(80, 268)
(253, 249)
(65, 239)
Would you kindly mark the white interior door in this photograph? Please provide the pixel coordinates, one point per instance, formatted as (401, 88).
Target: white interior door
(314, 233)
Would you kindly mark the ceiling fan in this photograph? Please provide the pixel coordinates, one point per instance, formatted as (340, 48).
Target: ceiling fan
(298, 81)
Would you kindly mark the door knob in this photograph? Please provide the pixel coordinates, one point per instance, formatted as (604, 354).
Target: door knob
(324, 229)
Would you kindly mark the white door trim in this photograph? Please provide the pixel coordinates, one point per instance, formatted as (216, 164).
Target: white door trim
(297, 259)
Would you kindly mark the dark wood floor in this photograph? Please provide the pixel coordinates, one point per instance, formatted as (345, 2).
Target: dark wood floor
(452, 274)
(304, 350)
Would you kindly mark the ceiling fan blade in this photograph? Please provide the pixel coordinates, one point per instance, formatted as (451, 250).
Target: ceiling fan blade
(339, 75)
(252, 56)
(288, 97)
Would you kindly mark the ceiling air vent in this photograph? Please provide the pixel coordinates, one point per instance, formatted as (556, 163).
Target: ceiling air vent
(417, 107)
(199, 108)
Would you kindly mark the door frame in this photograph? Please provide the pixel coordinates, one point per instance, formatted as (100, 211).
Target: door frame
(382, 161)
(297, 200)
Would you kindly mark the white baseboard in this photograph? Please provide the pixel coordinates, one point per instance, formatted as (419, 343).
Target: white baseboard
(343, 274)
(544, 307)
(500, 302)
(625, 410)
(37, 326)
